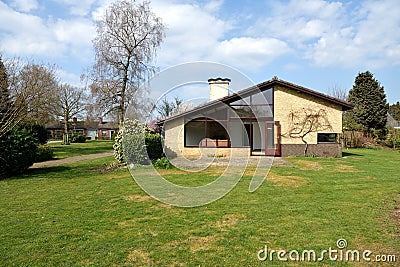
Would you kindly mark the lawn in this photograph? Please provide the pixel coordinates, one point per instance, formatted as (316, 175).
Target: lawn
(79, 215)
(76, 149)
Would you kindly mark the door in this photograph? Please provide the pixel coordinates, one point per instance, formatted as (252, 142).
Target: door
(248, 139)
(272, 138)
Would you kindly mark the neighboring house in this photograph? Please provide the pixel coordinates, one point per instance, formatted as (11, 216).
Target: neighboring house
(272, 118)
(106, 130)
(91, 130)
(392, 122)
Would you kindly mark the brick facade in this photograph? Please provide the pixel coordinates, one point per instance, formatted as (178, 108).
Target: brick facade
(320, 150)
(287, 100)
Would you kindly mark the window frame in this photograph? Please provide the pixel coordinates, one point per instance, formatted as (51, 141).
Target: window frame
(329, 138)
(222, 143)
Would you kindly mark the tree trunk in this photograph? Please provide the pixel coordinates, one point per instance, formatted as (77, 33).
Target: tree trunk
(65, 136)
(306, 148)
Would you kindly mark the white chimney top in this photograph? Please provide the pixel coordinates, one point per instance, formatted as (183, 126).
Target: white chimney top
(219, 87)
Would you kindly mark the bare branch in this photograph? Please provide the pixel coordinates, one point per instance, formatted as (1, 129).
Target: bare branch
(305, 121)
(338, 92)
(127, 38)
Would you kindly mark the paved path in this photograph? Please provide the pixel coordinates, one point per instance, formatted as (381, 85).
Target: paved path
(56, 162)
(249, 161)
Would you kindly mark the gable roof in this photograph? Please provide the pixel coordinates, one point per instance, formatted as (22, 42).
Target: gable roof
(262, 87)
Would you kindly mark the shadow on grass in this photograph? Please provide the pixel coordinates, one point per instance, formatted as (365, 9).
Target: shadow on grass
(51, 171)
(349, 154)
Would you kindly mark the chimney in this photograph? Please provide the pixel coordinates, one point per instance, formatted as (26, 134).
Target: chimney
(219, 87)
(74, 120)
(100, 120)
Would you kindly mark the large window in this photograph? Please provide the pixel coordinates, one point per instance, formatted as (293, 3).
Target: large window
(259, 105)
(327, 138)
(206, 133)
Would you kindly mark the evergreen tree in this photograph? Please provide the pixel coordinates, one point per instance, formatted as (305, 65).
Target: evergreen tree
(370, 105)
(394, 110)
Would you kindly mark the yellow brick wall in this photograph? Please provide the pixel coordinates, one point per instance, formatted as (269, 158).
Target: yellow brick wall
(174, 143)
(287, 100)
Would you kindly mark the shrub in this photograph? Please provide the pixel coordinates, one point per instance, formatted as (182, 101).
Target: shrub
(129, 145)
(163, 163)
(118, 149)
(37, 131)
(17, 153)
(139, 145)
(393, 138)
(77, 138)
(44, 153)
(154, 146)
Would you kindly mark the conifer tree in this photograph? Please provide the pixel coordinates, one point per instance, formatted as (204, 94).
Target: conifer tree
(370, 106)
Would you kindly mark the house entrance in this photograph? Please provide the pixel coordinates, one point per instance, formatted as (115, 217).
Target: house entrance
(272, 138)
(263, 138)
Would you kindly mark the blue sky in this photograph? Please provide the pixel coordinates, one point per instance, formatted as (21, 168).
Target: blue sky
(314, 43)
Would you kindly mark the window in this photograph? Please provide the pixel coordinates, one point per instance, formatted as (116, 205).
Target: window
(78, 131)
(327, 138)
(206, 133)
(103, 133)
(258, 105)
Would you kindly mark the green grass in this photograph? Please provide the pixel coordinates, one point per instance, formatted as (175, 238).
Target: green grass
(76, 149)
(77, 215)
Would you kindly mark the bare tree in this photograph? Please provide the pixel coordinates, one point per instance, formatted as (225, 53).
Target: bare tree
(167, 108)
(69, 102)
(183, 107)
(127, 38)
(10, 114)
(306, 121)
(338, 93)
(33, 87)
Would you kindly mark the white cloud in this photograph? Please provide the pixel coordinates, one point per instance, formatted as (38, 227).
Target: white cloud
(24, 34)
(70, 78)
(192, 33)
(25, 5)
(299, 20)
(373, 41)
(196, 33)
(213, 6)
(78, 7)
(29, 35)
(76, 34)
(250, 53)
(335, 33)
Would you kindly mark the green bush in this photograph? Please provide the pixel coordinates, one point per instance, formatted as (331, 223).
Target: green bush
(154, 146)
(17, 153)
(393, 138)
(37, 131)
(77, 138)
(129, 145)
(44, 153)
(163, 163)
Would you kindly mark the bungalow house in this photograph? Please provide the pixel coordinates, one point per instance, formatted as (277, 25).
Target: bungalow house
(392, 122)
(92, 130)
(273, 118)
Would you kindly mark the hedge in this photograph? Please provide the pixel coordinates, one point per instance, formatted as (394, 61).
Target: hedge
(17, 153)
